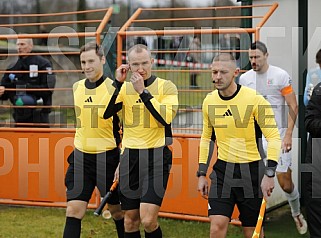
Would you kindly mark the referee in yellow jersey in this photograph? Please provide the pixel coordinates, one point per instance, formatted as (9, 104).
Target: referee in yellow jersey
(96, 155)
(149, 105)
(235, 117)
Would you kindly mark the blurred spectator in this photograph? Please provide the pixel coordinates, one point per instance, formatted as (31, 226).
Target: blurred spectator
(229, 42)
(225, 42)
(140, 40)
(174, 45)
(42, 30)
(30, 79)
(160, 46)
(312, 79)
(194, 57)
(312, 181)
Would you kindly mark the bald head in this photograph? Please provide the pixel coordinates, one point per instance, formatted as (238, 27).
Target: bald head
(139, 48)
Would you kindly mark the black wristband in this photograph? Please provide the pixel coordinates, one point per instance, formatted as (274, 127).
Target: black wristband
(271, 163)
(200, 173)
(270, 171)
(145, 96)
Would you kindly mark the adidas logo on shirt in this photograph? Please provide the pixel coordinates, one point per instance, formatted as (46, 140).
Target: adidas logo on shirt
(139, 101)
(89, 99)
(228, 113)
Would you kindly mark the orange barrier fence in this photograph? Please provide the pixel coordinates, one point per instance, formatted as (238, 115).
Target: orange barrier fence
(97, 34)
(33, 164)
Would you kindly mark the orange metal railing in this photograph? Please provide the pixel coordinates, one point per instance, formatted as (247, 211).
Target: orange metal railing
(125, 32)
(97, 34)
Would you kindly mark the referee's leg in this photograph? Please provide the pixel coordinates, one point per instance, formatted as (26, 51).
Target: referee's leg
(154, 187)
(107, 163)
(79, 190)
(219, 226)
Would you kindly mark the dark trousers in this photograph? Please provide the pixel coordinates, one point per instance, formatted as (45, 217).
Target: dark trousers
(30, 115)
(193, 79)
(312, 201)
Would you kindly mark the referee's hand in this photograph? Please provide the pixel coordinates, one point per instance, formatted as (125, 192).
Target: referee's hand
(203, 186)
(121, 73)
(267, 186)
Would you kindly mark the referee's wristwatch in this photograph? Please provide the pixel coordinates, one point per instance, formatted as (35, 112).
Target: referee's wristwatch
(200, 173)
(145, 91)
(270, 172)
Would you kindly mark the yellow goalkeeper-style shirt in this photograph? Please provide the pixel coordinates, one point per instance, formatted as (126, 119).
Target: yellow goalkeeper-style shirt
(146, 125)
(231, 122)
(94, 134)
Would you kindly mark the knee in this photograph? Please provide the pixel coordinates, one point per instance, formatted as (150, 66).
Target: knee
(131, 223)
(216, 228)
(116, 212)
(219, 227)
(75, 211)
(150, 224)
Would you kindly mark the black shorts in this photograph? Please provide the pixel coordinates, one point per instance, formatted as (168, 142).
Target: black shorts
(236, 184)
(143, 176)
(86, 171)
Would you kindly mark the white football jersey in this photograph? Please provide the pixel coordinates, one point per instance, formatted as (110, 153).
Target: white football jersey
(274, 84)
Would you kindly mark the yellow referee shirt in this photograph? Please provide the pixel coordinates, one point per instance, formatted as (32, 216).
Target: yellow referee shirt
(232, 122)
(94, 134)
(141, 129)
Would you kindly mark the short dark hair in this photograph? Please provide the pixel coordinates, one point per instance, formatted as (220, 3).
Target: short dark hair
(318, 57)
(260, 46)
(224, 57)
(92, 45)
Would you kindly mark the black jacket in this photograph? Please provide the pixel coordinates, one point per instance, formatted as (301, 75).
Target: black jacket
(313, 123)
(42, 80)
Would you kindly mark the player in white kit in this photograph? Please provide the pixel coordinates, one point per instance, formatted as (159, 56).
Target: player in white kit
(275, 85)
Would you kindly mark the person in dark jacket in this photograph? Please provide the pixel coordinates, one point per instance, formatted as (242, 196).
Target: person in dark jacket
(194, 57)
(312, 193)
(30, 79)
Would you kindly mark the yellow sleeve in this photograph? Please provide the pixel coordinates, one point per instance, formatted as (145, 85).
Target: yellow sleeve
(266, 120)
(206, 136)
(168, 105)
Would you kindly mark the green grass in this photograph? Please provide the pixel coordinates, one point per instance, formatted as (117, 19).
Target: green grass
(280, 224)
(36, 222)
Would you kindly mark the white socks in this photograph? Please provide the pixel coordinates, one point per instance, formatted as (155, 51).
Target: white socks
(294, 201)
